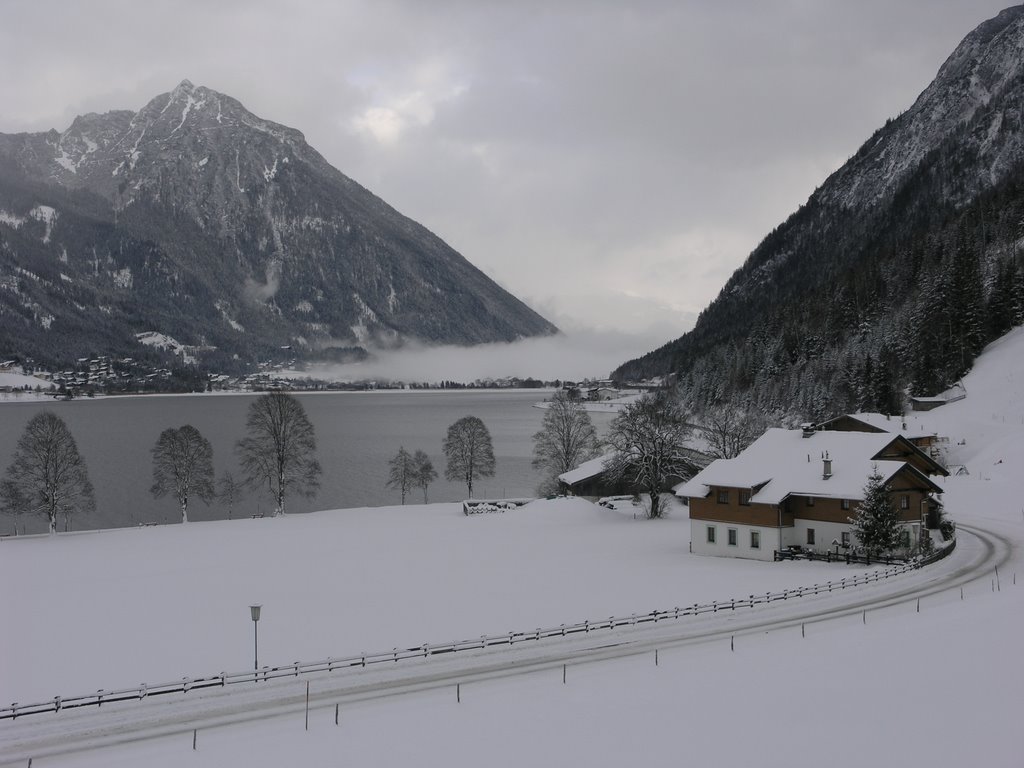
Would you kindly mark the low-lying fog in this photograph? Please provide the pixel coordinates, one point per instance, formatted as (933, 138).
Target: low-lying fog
(575, 356)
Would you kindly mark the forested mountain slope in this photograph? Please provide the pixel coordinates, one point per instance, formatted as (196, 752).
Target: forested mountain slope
(896, 271)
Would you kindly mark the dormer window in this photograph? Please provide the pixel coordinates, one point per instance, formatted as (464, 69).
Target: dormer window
(745, 498)
(723, 497)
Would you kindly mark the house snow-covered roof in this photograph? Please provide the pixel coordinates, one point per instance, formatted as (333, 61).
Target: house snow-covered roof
(586, 470)
(782, 462)
(909, 425)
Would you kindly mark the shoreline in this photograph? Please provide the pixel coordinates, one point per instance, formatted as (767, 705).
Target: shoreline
(41, 397)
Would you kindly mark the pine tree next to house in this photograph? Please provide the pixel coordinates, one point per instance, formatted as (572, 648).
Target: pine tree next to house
(877, 522)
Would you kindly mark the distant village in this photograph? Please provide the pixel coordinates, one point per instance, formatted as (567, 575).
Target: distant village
(104, 375)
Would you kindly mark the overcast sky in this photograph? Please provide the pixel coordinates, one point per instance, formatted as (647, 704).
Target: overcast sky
(611, 163)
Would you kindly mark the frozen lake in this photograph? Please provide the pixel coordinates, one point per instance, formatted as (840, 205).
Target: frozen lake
(357, 433)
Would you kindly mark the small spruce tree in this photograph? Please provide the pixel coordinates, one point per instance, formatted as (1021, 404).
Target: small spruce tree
(877, 522)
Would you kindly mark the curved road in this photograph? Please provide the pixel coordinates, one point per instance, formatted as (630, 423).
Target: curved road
(979, 552)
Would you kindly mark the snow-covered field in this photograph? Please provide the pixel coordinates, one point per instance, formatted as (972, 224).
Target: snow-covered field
(939, 687)
(18, 381)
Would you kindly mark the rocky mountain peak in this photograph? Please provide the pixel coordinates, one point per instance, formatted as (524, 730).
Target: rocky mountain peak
(973, 78)
(227, 225)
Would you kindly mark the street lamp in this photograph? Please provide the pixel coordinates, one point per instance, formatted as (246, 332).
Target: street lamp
(255, 611)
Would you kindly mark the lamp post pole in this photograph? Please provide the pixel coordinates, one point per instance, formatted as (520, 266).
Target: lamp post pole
(255, 611)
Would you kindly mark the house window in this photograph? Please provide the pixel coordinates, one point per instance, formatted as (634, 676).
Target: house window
(755, 539)
(846, 538)
(711, 534)
(845, 504)
(810, 537)
(723, 497)
(905, 538)
(732, 537)
(745, 498)
(904, 501)
(810, 501)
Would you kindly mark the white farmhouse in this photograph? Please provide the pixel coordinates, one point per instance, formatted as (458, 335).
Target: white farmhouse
(799, 488)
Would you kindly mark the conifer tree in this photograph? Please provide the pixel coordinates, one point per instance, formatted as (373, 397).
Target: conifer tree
(877, 522)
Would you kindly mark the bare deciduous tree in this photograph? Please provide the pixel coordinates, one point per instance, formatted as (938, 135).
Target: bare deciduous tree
(469, 452)
(565, 440)
(229, 491)
(402, 475)
(280, 451)
(183, 466)
(648, 438)
(47, 474)
(728, 431)
(425, 472)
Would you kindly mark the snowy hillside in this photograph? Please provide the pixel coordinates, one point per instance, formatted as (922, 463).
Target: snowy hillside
(941, 685)
(13, 380)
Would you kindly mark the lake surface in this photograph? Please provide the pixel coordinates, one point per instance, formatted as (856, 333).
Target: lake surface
(357, 434)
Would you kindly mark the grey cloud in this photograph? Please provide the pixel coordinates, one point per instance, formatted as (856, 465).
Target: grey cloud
(583, 134)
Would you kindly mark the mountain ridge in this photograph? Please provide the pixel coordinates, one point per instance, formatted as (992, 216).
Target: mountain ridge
(850, 282)
(195, 198)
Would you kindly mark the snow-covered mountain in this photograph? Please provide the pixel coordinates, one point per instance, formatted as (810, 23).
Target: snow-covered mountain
(973, 103)
(896, 271)
(195, 218)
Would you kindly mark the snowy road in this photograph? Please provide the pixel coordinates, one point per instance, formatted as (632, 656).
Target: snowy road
(979, 552)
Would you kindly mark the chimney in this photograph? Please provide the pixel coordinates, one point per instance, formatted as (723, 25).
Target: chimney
(807, 429)
(827, 472)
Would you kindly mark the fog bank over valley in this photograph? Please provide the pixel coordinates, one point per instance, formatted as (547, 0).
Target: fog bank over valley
(577, 355)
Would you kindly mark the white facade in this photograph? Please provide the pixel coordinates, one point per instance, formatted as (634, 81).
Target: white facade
(824, 535)
(767, 538)
(827, 533)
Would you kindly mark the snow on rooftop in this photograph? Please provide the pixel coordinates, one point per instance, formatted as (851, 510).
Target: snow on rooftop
(908, 425)
(586, 470)
(785, 462)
